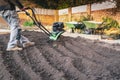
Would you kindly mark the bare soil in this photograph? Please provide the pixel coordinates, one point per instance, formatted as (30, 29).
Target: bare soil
(65, 59)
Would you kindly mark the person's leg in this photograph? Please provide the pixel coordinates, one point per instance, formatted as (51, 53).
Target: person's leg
(12, 18)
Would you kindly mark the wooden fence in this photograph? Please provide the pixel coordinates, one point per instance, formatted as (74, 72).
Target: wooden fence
(45, 16)
(97, 11)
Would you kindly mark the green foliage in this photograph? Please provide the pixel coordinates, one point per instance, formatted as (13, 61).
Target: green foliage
(63, 6)
(110, 23)
(28, 23)
(85, 18)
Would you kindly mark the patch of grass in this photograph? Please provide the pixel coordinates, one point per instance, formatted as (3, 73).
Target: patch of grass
(28, 23)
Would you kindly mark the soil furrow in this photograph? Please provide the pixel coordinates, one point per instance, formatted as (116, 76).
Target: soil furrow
(106, 63)
(26, 68)
(42, 67)
(84, 65)
(79, 51)
(17, 67)
(63, 63)
(4, 73)
(89, 52)
(102, 48)
(64, 51)
(110, 53)
(64, 59)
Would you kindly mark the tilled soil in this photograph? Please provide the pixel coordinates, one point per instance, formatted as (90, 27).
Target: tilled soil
(65, 59)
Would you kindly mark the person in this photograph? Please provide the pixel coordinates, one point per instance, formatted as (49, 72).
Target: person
(8, 12)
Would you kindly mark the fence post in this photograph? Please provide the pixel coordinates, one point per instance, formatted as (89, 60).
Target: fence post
(69, 14)
(56, 15)
(89, 9)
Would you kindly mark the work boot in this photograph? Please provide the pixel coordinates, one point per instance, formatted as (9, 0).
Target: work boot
(27, 44)
(14, 49)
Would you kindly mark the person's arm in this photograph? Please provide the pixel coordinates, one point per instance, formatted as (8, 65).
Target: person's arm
(17, 3)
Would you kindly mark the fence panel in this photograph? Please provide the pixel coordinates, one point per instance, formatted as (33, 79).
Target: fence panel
(102, 6)
(46, 16)
(79, 9)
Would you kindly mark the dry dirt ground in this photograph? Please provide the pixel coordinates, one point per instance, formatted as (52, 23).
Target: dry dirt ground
(65, 59)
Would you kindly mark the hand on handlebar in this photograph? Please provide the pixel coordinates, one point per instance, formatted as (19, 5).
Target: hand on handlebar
(24, 8)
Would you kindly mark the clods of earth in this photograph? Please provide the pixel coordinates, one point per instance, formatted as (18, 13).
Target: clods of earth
(65, 59)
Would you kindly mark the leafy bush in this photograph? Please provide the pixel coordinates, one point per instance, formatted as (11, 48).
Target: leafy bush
(111, 28)
(28, 23)
(85, 18)
(110, 23)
